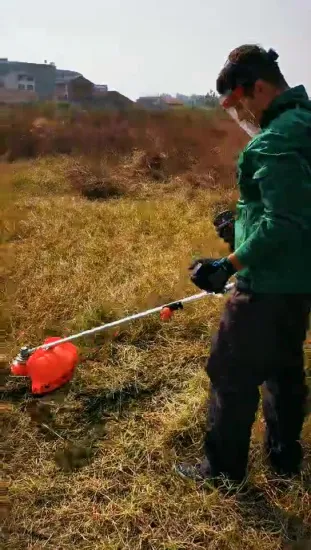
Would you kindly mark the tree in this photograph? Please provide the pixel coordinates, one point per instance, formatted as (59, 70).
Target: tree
(211, 99)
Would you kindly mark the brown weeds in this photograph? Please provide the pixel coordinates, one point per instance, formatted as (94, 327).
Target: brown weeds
(93, 469)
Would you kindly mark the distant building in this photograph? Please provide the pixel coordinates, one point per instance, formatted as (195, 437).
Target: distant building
(74, 90)
(100, 88)
(112, 100)
(172, 102)
(64, 75)
(149, 102)
(199, 101)
(163, 102)
(28, 82)
(17, 96)
(29, 77)
(74, 87)
(19, 81)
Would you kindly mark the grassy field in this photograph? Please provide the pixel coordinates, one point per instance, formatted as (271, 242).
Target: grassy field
(93, 469)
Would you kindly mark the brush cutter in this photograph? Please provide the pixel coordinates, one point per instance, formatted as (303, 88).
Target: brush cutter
(52, 364)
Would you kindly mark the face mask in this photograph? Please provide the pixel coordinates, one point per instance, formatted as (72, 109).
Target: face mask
(251, 129)
(228, 101)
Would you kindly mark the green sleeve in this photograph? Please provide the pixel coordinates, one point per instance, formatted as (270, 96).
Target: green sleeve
(280, 177)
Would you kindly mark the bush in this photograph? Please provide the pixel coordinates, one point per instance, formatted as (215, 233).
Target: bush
(161, 145)
(91, 178)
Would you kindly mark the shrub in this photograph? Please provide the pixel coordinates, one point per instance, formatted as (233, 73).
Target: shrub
(92, 179)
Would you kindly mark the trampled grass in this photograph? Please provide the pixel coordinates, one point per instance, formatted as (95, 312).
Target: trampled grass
(94, 469)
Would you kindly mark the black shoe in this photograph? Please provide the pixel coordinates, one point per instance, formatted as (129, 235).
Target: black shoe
(283, 460)
(195, 473)
(201, 473)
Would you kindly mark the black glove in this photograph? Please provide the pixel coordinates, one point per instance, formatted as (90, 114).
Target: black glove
(224, 225)
(210, 274)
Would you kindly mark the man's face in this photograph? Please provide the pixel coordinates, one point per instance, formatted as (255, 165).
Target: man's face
(243, 109)
(246, 109)
(251, 107)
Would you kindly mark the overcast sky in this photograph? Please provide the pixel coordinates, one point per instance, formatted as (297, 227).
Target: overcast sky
(144, 47)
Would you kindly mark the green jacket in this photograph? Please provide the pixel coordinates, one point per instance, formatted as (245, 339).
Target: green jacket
(273, 225)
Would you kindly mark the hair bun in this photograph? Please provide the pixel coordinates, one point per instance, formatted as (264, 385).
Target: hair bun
(272, 54)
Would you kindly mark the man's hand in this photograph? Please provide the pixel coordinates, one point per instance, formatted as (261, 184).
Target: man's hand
(210, 274)
(224, 225)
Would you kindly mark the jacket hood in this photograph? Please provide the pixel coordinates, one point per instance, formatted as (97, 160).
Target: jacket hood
(290, 99)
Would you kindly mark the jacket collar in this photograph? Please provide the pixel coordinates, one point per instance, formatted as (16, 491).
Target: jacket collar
(289, 99)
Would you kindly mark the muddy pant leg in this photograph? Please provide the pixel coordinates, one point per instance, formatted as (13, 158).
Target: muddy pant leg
(285, 393)
(283, 405)
(231, 415)
(235, 372)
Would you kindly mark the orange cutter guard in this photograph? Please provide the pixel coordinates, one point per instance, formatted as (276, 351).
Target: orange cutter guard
(52, 364)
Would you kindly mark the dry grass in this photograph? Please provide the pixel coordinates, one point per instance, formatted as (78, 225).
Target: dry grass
(94, 470)
(28, 132)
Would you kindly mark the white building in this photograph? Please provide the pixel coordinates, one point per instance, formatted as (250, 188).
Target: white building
(16, 80)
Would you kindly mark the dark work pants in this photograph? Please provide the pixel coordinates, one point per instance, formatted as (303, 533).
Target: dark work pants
(259, 342)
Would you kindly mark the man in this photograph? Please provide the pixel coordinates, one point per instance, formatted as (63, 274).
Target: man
(262, 330)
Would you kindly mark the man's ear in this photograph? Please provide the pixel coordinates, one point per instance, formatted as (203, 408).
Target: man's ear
(263, 88)
(260, 87)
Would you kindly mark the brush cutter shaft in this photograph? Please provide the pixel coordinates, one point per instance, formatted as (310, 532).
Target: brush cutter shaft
(187, 300)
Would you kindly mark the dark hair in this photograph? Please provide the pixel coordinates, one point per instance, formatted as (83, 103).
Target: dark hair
(247, 64)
